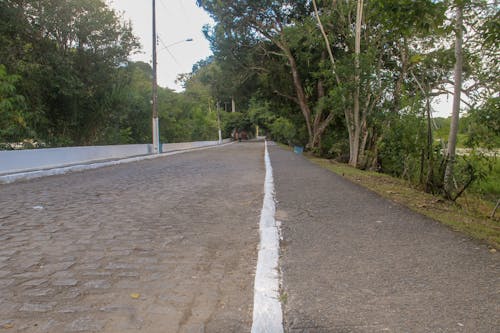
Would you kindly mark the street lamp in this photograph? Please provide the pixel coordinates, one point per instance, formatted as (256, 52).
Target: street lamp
(165, 47)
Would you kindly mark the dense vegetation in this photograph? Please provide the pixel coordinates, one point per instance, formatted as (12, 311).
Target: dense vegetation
(355, 81)
(65, 79)
(350, 80)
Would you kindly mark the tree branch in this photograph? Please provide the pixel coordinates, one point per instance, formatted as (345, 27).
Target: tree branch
(292, 98)
(276, 53)
(445, 91)
(326, 122)
(327, 42)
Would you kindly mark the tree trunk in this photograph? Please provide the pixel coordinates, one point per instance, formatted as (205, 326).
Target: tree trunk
(452, 139)
(354, 140)
(402, 75)
(313, 131)
(299, 90)
(429, 182)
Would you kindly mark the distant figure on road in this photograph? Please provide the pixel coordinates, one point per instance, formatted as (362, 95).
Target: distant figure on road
(234, 134)
(239, 135)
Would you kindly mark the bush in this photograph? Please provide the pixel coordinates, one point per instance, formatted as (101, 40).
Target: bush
(400, 150)
(488, 171)
(283, 130)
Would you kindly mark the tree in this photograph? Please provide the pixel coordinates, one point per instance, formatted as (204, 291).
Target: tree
(452, 140)
(69, 54)
(272, 27)
(13, 124)
(379, 45)
(354, 126)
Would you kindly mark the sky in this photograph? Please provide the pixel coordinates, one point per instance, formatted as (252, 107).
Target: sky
(177, 20)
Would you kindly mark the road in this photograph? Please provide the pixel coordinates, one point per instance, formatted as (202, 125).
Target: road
(170, 245)
(353, 261)
(163, 245)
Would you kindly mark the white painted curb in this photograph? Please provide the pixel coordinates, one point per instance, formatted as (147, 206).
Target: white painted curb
(267, 313)
(10, 178)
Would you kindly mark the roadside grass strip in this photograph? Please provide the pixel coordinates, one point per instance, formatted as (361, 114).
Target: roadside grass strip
(11, 178)
(267, 313)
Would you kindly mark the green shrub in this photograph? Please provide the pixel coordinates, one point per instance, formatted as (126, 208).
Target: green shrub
(283, 130)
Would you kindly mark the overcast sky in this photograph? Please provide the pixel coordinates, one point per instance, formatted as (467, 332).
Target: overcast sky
(177, 20)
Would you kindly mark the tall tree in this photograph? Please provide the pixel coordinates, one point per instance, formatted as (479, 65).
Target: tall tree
(457, 84)
(354, 126)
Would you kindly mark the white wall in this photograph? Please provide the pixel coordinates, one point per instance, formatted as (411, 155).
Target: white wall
(14, 161)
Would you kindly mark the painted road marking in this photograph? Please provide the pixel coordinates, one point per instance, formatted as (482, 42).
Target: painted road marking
(267, 314)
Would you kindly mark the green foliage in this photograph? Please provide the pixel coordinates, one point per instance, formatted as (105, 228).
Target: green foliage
(69, 54)
(401, 148)
(488, 185)
(283, 130)
(77, 86)
(13, 126)
(236, 121)
(490, 30)
(484, 125)
(260, 114)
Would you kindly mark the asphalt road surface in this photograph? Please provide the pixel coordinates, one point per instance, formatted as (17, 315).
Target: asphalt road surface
(353, 261)
(163, 245)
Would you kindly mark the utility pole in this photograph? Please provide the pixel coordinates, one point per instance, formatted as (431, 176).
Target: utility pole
(156, 130)
(218, 123)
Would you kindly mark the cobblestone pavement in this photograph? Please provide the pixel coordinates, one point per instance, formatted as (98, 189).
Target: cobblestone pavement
(353, 261)
(164, 245)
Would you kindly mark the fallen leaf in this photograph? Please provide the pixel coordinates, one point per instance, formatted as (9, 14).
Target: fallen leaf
(135, 295)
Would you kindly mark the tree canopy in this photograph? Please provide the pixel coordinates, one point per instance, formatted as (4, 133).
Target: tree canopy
(356, 80)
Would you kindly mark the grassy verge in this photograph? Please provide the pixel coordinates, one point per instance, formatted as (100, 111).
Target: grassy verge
(470, 215)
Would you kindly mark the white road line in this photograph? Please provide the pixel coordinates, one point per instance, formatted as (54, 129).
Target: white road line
(267, 314)
(10, 178)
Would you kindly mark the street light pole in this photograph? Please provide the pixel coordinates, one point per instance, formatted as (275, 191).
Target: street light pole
(218, 123)
(156, 130)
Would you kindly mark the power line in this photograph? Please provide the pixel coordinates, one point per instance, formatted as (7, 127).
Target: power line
(163, 4)
(183, 9)
(165, 47)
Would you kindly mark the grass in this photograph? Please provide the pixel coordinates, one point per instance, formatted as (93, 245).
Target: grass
(489, 187)
(283, 298)
(470, 215)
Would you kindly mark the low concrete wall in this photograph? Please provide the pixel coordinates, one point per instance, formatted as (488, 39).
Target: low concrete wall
(14, 161)
(166, 147)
